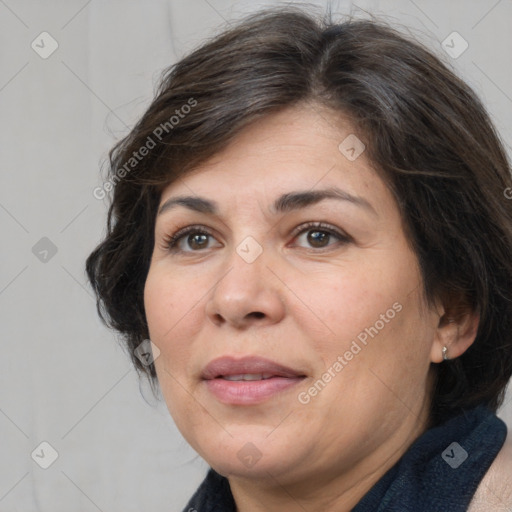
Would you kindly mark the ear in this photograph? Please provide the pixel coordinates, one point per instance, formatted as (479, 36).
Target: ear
(456, 331)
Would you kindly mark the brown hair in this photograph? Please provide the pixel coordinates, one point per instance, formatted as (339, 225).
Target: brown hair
(425, 130)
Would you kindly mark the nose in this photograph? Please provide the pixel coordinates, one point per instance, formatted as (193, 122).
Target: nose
(247, 295)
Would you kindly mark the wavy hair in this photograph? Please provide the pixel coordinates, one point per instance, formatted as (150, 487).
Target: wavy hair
(427, 134)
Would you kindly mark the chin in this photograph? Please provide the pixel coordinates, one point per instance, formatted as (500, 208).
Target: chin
(248, 453)
(267, 468)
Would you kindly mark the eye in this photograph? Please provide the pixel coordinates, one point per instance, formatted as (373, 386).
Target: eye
(318, 236)
(190, 239)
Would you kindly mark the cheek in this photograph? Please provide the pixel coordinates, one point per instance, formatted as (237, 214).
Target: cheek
(170, 316)
(168, 301)
(346, 301)
(159, 305)
(371, 307)
(173, 321)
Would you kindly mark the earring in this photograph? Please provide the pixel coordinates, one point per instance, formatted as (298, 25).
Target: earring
(445, 357)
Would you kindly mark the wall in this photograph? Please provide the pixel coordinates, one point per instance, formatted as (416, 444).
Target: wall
(64, 378)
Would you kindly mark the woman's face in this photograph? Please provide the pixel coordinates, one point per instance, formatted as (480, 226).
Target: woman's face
(289, 260)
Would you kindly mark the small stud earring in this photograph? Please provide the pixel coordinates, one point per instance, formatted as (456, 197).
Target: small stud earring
(445, 357)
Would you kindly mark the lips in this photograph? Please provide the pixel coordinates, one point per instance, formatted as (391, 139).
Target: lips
(249, 380)
(247, 366)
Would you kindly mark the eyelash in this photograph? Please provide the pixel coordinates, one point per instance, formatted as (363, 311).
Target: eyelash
(170, 242)
(342, 237)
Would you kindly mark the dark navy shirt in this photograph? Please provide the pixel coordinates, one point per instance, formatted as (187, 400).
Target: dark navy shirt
(440, 471)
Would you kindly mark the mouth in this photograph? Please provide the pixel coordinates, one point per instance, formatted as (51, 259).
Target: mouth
(249, 380)
(247, 376)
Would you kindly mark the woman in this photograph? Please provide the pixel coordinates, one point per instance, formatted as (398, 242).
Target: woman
(310, 225)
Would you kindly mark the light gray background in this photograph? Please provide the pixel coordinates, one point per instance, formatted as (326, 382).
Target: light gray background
(64, 379)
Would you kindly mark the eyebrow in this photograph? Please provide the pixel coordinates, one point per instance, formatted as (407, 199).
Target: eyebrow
(284, 203)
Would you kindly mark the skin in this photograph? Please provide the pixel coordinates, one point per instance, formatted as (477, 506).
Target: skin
(302, 306)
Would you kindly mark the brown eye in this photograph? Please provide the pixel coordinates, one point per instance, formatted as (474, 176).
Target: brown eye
(318, 238)
(197, 241)
(191, 239)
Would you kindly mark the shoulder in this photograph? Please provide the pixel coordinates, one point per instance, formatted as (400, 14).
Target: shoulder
(495, 490)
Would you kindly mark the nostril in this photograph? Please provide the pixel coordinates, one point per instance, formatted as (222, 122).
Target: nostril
(257, 314)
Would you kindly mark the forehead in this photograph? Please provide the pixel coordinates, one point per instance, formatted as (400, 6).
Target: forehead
(298, 148)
